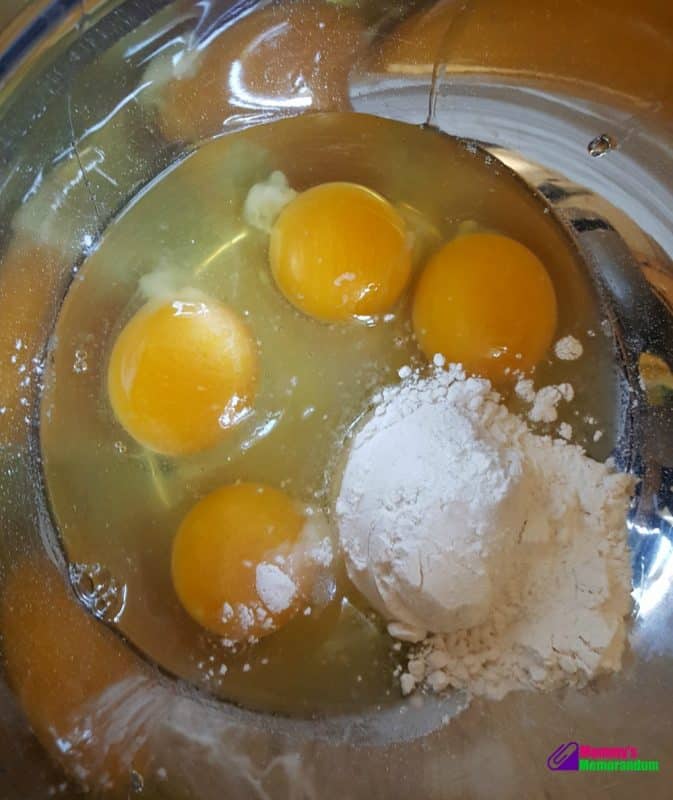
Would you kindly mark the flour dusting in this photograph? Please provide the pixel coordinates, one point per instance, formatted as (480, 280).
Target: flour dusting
(275, 588)
(568, 349)
(544, 402)
(502, 554)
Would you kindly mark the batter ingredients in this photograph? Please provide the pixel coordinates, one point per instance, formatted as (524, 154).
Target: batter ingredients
(431, 505)
(544, 402)
(508, 547)
(568, 348)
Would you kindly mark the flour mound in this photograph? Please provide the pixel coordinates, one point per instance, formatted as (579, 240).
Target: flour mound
(426, 536)
(508, 547)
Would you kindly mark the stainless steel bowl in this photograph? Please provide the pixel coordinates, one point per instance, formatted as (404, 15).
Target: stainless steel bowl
(575, 98)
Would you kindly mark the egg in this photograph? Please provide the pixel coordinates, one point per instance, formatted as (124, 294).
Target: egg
(340, 250)
(234, 562)
(485, 301)
(182, 372)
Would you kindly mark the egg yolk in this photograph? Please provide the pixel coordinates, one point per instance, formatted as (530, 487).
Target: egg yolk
(487, 302)
(340, 250)
(232, 560)
(181, 373)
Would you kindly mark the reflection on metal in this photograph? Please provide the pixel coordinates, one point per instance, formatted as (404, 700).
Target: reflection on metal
(601, 145)
(656, 584)
(243, 98)
(99, 591)
(656, 378)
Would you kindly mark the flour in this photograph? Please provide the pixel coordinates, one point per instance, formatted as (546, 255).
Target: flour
(565, 431)
(568, 349)
(322, 553)
(290, 575)
(544, 402)
(424, 547)
(508, 547)
(525, 389)
(274, 587)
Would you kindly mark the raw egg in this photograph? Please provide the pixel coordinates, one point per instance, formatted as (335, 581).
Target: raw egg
(182, 372)
(233, 566)
(340, 250)
(485, 301)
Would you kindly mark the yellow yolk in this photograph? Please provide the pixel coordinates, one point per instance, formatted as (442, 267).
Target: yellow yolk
(487, 302)
(232, 560)
(181, 373)
(340, 250)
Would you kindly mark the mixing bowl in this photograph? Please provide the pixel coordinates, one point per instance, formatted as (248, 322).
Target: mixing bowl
(576, 99)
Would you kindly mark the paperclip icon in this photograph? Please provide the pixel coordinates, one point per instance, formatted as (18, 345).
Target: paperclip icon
(565, 757)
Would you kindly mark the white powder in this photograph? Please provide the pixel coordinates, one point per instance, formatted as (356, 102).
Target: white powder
(321, 553)
(275, 588)
(508, 547)
(568, 348)
(525, 389)
(565, 431)
(245, 616)
(544, 403)
(421, 544)
(301, 571)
